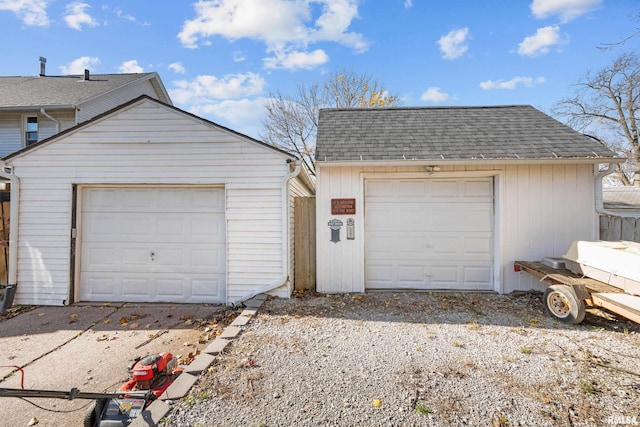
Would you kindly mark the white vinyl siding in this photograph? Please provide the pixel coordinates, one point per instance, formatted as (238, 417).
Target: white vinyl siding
(539, 211)
(12, 127)
(149, 144)
(105, 102)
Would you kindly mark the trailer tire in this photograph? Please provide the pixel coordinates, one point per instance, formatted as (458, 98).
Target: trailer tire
(94, 412)
(561, 303)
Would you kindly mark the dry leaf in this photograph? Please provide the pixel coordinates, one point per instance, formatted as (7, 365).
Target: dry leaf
(134, 325)
(106, 321)
(124, 320)
(377, 403)
(33, 421)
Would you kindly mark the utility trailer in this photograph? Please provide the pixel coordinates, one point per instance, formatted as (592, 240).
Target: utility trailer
(568, 294)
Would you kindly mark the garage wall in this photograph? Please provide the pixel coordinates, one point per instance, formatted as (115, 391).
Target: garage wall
(148, 143)
(540, 210)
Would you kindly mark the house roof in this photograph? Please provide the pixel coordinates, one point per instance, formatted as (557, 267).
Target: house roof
(449, 134)
(132, 102)
(67, 91)
(621, 198)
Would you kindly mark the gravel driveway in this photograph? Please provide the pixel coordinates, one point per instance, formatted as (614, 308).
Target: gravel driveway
(414, 359)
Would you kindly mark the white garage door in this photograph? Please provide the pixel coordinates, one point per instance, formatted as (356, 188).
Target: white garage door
(429, 234)
(153, 245)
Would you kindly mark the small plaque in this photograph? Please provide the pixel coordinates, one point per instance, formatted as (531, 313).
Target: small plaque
(343, 206)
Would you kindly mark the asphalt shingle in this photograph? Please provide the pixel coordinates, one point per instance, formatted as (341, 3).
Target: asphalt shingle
(449, 133)
(51, 91)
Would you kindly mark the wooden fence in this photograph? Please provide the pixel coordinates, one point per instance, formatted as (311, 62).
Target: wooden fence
(614, 228)
(304, 210)
(4, 237)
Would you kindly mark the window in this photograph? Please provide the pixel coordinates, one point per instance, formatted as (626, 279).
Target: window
(31, 130)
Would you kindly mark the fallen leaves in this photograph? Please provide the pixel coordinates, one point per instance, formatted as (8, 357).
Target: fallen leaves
(377, 403)
(105, 337)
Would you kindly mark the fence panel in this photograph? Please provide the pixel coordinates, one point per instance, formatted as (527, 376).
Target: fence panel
(305, 243)
(613, 228)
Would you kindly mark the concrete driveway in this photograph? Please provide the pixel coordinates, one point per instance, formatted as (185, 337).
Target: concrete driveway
(88, 347)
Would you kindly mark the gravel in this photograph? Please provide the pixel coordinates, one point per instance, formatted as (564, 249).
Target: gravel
(416, 359)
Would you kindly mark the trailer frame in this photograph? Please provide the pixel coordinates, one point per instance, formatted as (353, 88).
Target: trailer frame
(568, 294)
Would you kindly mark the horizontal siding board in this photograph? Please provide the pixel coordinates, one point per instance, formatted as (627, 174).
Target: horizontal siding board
(195, 154)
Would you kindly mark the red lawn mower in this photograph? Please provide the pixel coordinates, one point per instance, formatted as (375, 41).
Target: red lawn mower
(150, 377)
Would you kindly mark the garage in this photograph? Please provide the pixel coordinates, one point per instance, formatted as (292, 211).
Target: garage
(446, 198)
(152, 244)
(150, 203)
(429, 234)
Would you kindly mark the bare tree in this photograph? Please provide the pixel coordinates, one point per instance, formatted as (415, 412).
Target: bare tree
(609, 46)
(607, 104)
(291, 122)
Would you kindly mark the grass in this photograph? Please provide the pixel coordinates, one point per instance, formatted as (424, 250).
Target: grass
(423, 409)
(526, 350)
(589, 387)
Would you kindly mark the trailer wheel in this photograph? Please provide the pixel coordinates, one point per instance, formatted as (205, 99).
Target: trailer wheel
(561, 303)
(94, 412)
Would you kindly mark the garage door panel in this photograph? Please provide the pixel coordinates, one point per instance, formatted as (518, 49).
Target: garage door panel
(429, 234)
(153, 244)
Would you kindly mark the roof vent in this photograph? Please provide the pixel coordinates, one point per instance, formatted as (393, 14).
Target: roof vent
(86, 75)
(43, 61)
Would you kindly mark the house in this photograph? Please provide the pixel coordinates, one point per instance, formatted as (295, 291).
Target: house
(36, 107)
(622, 201)
(149, 203)
(447, 198)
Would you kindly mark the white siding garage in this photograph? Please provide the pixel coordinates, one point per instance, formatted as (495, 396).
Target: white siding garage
(448, 197)
(429, 234)
(152, 245)
(149, 203)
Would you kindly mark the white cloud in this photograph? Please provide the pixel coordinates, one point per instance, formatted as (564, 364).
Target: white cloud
(241, 115)
(565, 9)
(76, 16)
(454, 44)
(540, 42)
(204, 90)
(177, 68)
(408, 4)
(297, 60)
(77, 66)
(238, 56)
(511, 84)
(130, 67)
(282, 25)
(30, 12)
(435, 95)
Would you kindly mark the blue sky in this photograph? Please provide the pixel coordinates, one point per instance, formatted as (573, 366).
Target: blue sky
(220, 59)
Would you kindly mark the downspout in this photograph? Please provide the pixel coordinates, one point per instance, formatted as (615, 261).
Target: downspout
(44, 113)
(9, 291)
(598, 189)
(285, 240)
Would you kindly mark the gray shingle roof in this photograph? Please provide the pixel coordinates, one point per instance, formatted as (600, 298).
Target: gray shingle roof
(621, 198)
(58, 91)
(449, 133)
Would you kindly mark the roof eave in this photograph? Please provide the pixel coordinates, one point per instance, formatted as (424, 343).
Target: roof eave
(38, 107)
(458, 162)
